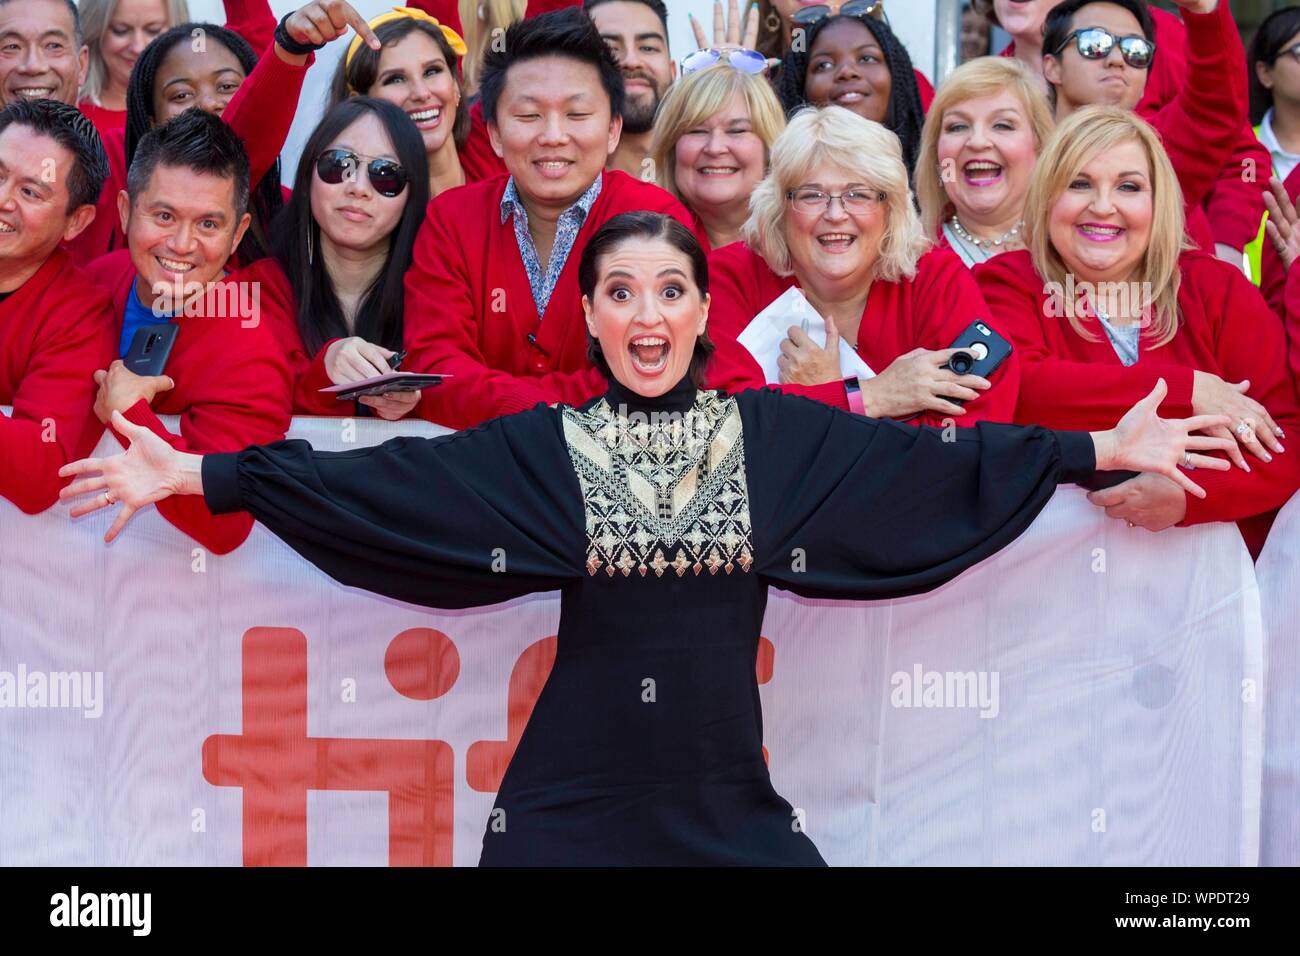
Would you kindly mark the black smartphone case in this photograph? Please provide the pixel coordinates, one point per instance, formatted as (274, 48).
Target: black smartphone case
(151, 346)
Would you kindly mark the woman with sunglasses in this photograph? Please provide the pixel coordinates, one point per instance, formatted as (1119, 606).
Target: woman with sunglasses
(856, 62)
(834, 218)
(1106, 299)
(711, 140)
(333, 290)
(1102, 51)
(663, 512)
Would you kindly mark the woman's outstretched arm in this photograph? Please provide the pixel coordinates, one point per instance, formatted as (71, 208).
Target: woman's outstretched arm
(468, 519)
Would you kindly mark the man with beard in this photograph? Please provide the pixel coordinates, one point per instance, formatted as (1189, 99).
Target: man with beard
(636, 32)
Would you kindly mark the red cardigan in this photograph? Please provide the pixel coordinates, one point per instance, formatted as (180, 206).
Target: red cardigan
(1273, 277)
(56, 330)
(232, 390)
(261, 112)
(280, 313)
(927, 311)
(470, 311)
(1068, 382)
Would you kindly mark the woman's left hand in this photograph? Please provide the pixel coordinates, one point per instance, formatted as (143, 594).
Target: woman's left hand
(1148, 501)
(803, 362)
(393, 405)
(1143, 441)
(730, 33)
(1283, 225)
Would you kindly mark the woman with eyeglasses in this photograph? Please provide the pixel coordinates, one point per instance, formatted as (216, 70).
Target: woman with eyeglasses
(856, 62)
(978, 148)
(663, 513)
(1106, 299)
(333, 290)
(711, 140)
(834, 218)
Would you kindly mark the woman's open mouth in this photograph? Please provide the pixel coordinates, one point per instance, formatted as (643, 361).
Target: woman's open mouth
(649, 353)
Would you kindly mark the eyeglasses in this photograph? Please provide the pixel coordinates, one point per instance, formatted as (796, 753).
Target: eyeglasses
(387, 177)
(747, 61)
(807, 16)
(1293, 50)
(813, 202)
(1094, 43)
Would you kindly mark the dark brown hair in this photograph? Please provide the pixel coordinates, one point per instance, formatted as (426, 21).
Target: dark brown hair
(645, 226)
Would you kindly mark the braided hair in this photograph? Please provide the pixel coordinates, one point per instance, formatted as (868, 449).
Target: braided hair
(267, 199)
(904, 116)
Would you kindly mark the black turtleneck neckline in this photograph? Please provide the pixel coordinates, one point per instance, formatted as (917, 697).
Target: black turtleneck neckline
(623, 400)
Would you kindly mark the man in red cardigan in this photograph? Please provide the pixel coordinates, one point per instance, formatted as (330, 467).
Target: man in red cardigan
(1200, 125)
(184, 212)
(55, 327)
(492, 294)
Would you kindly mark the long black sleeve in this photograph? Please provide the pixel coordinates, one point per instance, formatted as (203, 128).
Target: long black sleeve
(851, 507)
(463, 520)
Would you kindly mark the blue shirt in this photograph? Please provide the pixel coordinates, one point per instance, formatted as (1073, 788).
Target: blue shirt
(542, 283)
(136, 316)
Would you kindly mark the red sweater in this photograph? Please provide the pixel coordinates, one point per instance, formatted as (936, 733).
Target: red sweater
(232, 390)
(280, 313)
(1068, 382)
(56, 331)
(927, 311)
(1230, 208)
(1272, 276)
(104, 119)
(470, 311)
(261, 112)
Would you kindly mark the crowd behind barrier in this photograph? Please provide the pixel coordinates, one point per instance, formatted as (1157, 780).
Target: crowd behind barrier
(1092, 695)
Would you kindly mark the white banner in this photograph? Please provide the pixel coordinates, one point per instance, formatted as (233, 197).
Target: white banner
(1089, 696)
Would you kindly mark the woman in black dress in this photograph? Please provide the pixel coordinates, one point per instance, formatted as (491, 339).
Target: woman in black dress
(662, 513)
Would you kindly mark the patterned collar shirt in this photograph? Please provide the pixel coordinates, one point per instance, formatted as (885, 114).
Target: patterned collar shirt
(542, 281)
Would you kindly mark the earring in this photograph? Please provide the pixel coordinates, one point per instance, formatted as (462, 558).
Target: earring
(310, 230)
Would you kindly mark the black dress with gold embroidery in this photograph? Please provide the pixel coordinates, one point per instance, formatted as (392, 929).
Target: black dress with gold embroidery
(662, 522)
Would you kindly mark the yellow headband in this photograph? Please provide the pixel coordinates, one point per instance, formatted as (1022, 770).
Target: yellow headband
(397, 13)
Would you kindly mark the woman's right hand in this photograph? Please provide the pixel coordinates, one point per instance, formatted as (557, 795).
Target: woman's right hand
(1251, 424)
(321, 21)
(915, 382)
(148, 471)
(353, 359)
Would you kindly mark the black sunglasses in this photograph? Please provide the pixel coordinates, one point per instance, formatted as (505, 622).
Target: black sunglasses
(807, 16)
(1094, 43)
(387, 177)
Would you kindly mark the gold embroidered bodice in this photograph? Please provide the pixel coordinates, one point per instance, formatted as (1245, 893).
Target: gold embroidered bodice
(662, 483)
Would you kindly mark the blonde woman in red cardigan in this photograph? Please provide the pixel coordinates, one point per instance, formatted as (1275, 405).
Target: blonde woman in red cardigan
(1107, 298)
(834, 217)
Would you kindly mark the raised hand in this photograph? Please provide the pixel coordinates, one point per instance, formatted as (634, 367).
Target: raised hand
(150, 470)
(1145, 442)
(803, 362)
(731, 33)
(1283, 224)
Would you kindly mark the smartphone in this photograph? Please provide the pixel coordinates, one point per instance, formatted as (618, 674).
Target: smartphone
(383, 384)
(982, 351)
(151, 346)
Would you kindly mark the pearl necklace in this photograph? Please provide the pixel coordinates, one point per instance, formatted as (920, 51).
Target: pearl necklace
(958, 228)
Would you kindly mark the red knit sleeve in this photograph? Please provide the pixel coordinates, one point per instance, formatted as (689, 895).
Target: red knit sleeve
(1249, 344)
(254, 409)
(53, 421)
(263, 108)
(1199, 127)
(252, 20)
(1056, 392)
(1236, 204)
